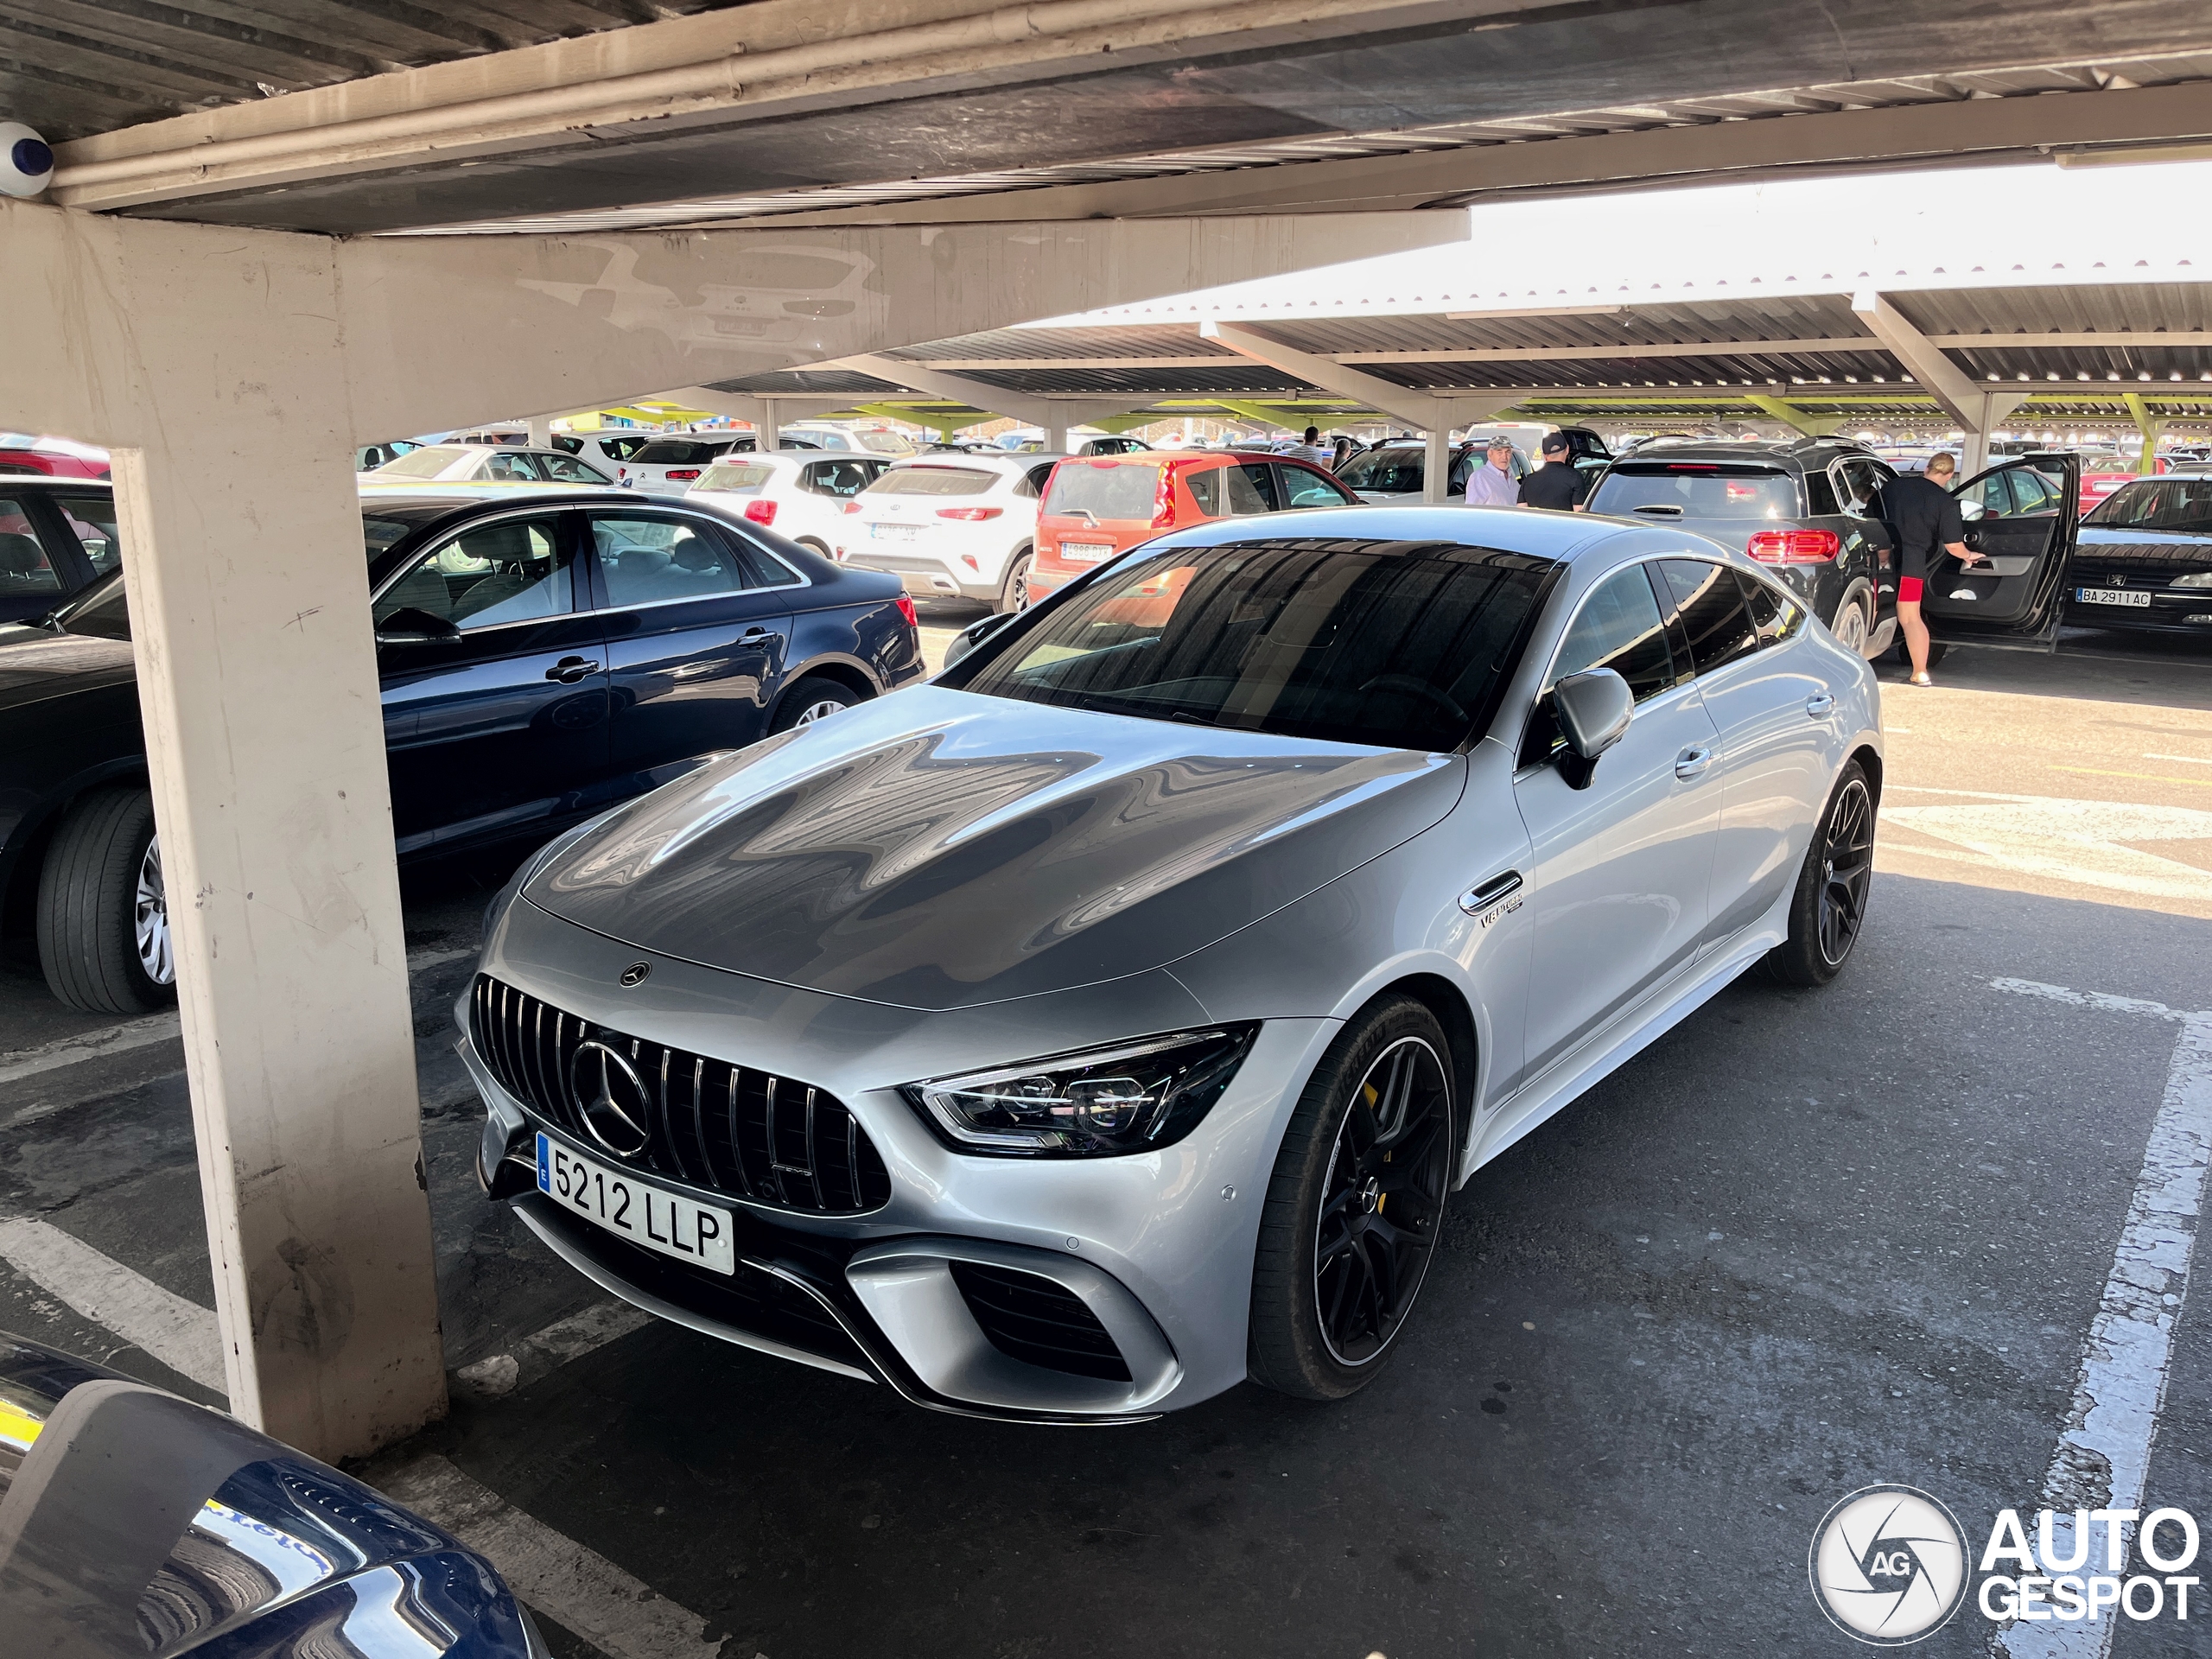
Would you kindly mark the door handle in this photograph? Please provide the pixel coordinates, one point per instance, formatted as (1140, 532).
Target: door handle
(1690, 763)
(570, 669)
(1820, 705)
(1497, 887)
(757, 635)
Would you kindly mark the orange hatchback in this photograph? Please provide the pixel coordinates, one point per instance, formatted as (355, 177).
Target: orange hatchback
(1095, 506)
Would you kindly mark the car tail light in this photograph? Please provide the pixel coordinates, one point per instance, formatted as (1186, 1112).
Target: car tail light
(760, 512)
(1163, 500)
(681, 474)
(969, 515)
(852, 506)
(906, 609)
(1795, 546)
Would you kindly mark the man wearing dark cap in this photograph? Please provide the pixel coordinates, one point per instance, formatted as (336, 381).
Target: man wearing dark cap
(1555, 484)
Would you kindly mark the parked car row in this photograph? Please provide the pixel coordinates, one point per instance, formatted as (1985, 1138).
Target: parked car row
(545, 653)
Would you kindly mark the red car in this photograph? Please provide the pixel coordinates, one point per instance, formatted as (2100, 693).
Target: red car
(1097, 506)
(2095, 486)
(50, 457)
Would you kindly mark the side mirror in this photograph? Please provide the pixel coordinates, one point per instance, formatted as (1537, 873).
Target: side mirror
(409, 626)
(974, 635)
(1593, 709)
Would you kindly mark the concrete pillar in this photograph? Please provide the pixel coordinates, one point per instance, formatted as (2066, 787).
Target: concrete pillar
(212, 362)
(1436, 470)
(1056, 430)
(540, 431)
(771, 430)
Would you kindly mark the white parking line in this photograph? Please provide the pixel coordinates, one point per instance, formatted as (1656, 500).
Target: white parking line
(553, 1347)
(585, 1592)
(181, 1334)
(153, 1028)
(2192, 759)
(2104, 1450)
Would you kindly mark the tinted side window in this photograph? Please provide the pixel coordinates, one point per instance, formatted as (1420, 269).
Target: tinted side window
(1713, 613)
(1820, 496)
(1776, 614)
(513, 570)
(1251, 488)
(24, 567)
(1619, 628)
(646, 559)
(1205, 490)
(94, 518)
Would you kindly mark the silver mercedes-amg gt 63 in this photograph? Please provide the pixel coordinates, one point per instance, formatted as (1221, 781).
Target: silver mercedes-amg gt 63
(1109, 1020)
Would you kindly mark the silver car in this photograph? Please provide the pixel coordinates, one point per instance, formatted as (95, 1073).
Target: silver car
(1109, 1020)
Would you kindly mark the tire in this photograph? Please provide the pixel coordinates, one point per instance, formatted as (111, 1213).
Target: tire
(815, 697)
(89, 908)
(1936, 650)
(1013, 593)
(1828, 910)
(1317, 1333)
(1854, 622)
(813, 546)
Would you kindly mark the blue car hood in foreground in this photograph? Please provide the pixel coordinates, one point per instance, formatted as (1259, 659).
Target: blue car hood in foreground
(135, 1525)
(940, 849)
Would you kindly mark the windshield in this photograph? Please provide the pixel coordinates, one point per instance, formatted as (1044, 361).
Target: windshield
(1697, 489)
(1387, 472)
(2175, 504)
(423, 463)
(1394, 645)
(933, 481)
(1104, 489)
(378, 534)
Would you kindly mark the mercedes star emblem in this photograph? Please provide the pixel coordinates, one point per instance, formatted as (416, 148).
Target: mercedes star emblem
(611, 1097)
(636, 972)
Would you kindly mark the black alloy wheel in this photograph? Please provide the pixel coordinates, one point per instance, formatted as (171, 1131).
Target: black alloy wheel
(1354, 1208)
(1829, 907)
(1382, 1200)
(1847, 870)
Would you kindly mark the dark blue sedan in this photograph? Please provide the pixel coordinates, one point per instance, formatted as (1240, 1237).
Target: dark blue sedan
(132, 1521)
(545, 654)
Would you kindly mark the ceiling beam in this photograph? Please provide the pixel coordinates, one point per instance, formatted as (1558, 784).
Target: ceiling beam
(1043, 410)
(1973, 406)
(1813, 426)
(755, 62)
(1948, 133)
(1424, 410)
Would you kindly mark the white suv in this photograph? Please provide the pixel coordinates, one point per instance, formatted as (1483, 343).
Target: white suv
(951, 526)
(801, 494)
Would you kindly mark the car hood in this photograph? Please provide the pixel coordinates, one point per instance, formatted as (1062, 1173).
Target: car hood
(35, 664)
(224, 1539)
(2180, 549)
(939, 848)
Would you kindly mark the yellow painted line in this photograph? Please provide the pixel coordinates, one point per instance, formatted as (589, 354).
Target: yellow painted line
(17, 1426)
(2145, 777)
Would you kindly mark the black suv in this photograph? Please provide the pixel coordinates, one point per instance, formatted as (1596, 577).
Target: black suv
(1806, 507)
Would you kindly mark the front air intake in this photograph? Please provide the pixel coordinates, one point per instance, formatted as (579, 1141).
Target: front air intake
(1038, 1320)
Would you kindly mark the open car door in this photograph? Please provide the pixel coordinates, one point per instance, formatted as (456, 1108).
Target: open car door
(2021, 516)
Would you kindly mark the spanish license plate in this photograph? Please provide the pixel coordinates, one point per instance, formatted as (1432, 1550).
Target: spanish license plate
(1085, 550)
(637, 1211)
(2113, 596)
(883, 533)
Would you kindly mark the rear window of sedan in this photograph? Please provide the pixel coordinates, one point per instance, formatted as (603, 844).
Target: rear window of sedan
(737, 476)
(2174, 503)
(933, 481)
(1698, 489)
(669, 452)
(1391, 644)
(1112, 489)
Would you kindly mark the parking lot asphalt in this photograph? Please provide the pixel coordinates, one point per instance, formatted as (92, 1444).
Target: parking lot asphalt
(1807, 1241)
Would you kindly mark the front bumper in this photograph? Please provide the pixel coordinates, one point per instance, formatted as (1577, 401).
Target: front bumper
(2176, 610)
(1157, 1246)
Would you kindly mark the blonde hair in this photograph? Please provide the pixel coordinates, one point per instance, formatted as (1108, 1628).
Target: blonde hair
(1944, 462)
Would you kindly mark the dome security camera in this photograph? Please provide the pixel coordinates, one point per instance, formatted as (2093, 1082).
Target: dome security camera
(26, 160)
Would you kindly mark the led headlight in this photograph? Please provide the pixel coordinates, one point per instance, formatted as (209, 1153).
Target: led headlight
(2195, 579)
(1130, 1097)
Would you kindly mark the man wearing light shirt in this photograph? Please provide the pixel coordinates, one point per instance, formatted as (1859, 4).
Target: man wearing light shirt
(1492, 485)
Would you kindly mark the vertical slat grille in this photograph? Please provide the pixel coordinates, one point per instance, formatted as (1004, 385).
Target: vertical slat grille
(730, 1128)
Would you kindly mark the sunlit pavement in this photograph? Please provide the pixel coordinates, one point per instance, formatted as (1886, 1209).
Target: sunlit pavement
(1809, 1241)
